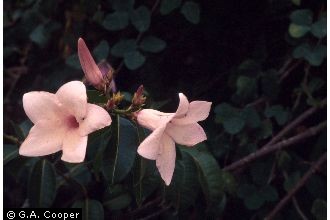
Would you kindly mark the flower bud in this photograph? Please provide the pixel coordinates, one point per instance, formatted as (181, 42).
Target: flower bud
(91, 70)
(138, 98)
(107, 74)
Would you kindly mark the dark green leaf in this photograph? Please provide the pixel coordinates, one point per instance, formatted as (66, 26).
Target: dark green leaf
(316, 55)
(119, 202)
(319, 28)
(38, 35)
(302, 17)
(123, 5)
(246, 190)
(25, 127)
(167, 6)
(278, 112)
(246, 87)
(265, 130)
(233, 125)
(101, 51)
(291, 181)
(42, 185)
(251, 117)
(254, 202)
(209, 173)
(140, 18)
(133, 60)
(126, 141)
(73, 61)
(268, 193)
(10, 152)
(230, 117)
(91, 209)
(319, 209)
(191, 12)
(184, 187)
(116, 21)
(283, 160)
(301, 51)
(298, 31)
(122, 47)
(152, 44)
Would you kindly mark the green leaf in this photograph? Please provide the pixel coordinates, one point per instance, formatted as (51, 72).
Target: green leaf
(91, 209)
(119, 202)
(278, 112)
(283, 160)
(184, 188)
(316, 56)
(319, 28)
(10, 152)
(301, 50)
(191, 12)
(254, 202)
(265, 130)
(152, 44)
(319, 209)
(134, 59)
(25, 127)
(233, 125)
(230, 117)
(123, 5)
(291, 181)
(251, 117)
(126, 141)
(298, 31)
(122, 47)
(246, 87)
(42, 185)
(94, 96)
(38, 35)
(101, 51)
(80, 172)
(268, 193)
(167, 6)
(140, 18)
(302, 17)
(296, 2)
(209, 173)
(73, 61)
(116, 21)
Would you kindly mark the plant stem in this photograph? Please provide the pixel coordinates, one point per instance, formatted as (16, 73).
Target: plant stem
(295, 189)
(271, 148)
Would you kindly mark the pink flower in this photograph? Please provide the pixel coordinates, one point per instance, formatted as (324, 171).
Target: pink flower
(180, 127)
(91, 70)
(62, 121)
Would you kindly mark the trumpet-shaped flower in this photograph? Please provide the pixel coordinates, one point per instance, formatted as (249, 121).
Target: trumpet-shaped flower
(62, 121)
(169, 128)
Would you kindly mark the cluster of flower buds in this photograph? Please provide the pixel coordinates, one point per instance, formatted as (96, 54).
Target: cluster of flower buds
(114, 101)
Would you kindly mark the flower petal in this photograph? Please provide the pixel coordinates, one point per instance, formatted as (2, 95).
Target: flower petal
(152, 119)
(72, 96)
(188, 135)
(183, 106)
(150, 147)
(41, 106)
(91, 70)
(74, 147)
(198, 111)
(44, 138)
(96, 118)
(166, 160)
